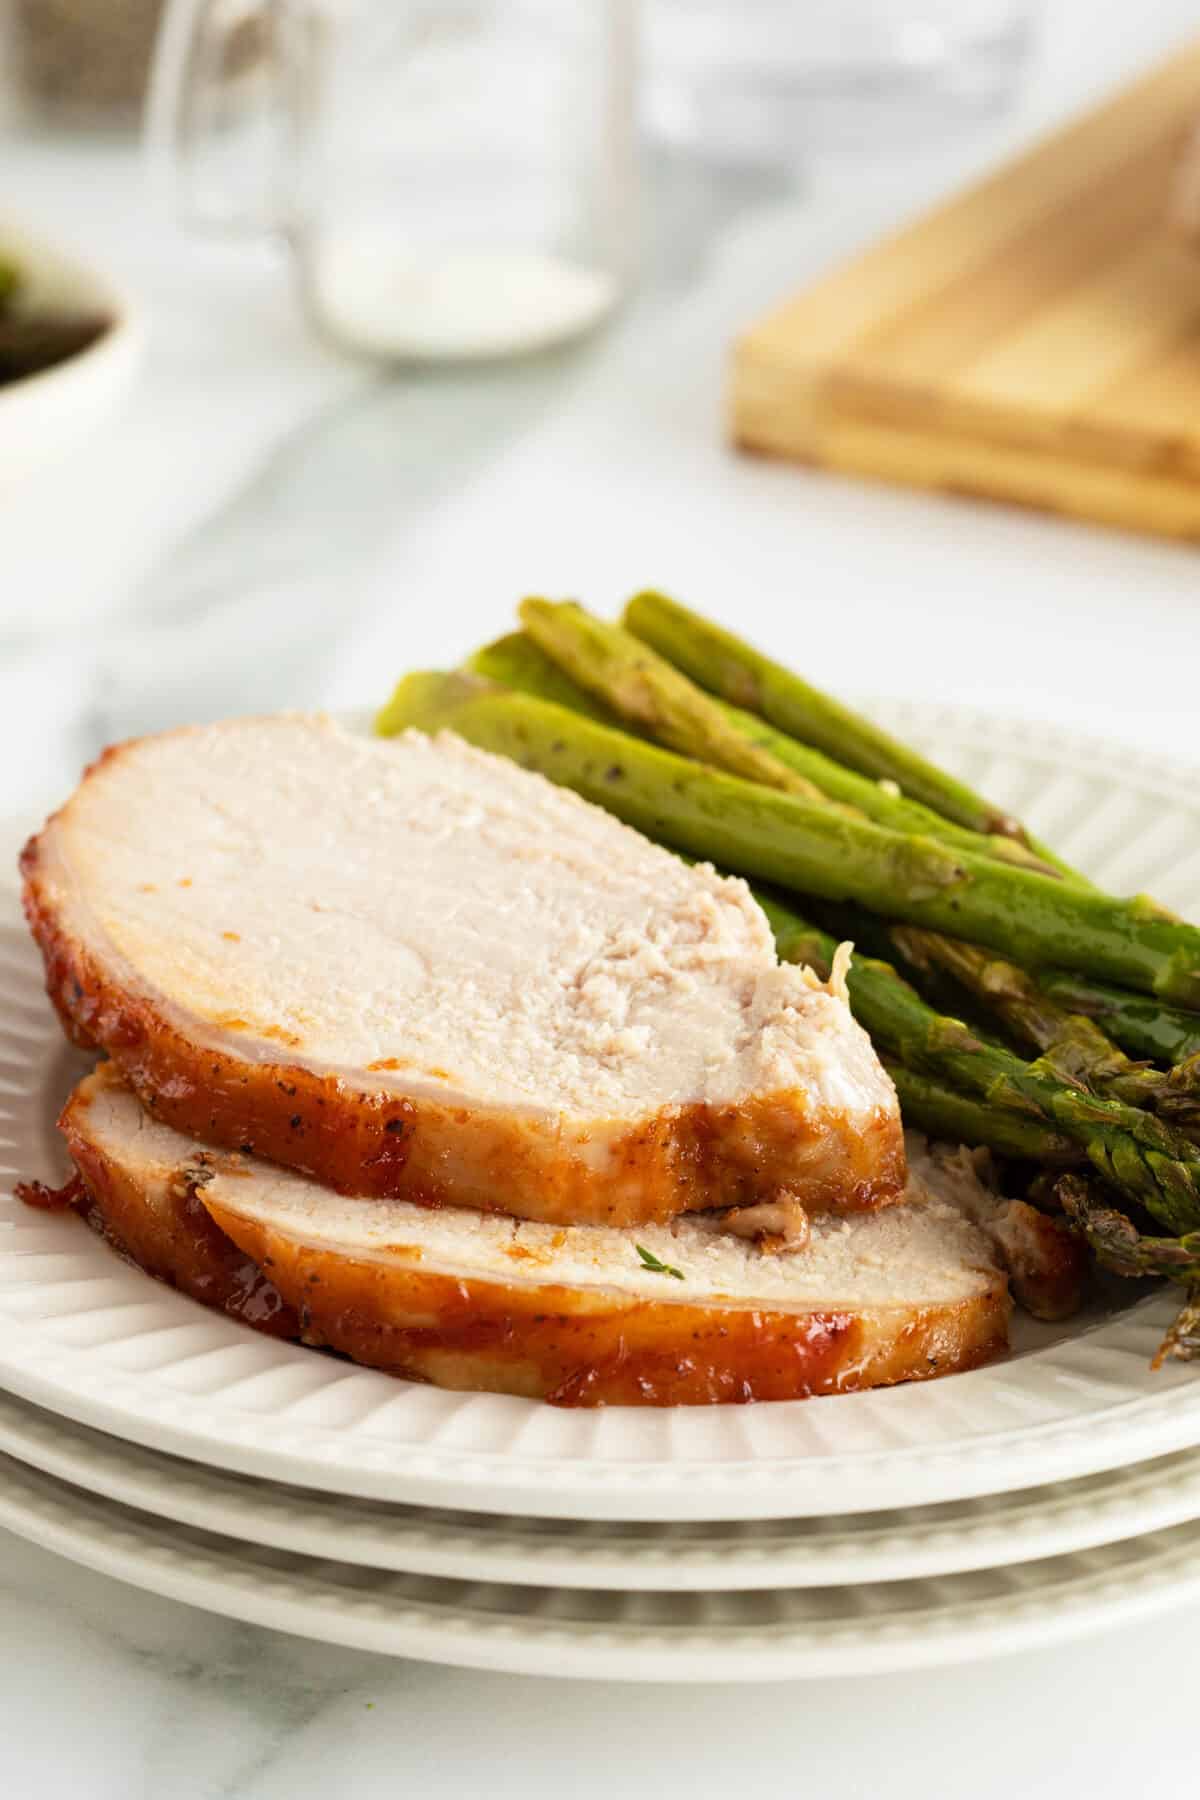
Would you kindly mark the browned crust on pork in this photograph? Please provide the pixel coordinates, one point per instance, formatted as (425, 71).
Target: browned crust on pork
(571, 1346)
(596, 1349)
(167, 1231)
(370, 1142)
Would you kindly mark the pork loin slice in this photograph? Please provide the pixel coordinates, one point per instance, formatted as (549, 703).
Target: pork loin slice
(568, 1314)
(411, 969)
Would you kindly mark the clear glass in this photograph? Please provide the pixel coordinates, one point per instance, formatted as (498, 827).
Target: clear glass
(769, 80)
(456, 178)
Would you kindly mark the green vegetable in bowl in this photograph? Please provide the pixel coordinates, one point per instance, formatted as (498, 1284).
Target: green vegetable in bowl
(31, 339)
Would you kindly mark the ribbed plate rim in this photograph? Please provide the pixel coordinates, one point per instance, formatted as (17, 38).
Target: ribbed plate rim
(872, 1628)
(917, 1543)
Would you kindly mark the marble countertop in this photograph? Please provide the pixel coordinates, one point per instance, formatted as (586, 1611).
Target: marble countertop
(266, 524)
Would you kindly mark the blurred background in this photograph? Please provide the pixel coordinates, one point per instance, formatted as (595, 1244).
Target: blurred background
(412, 308)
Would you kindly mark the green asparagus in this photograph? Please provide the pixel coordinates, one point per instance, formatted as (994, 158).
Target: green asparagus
(725, 665)
(941, 1112)
(1116, 1240)
(782, 838)
(515, 661)
(877, 800)
(638, 688)
(1142, 1027)
(1119, 1246)
(648, 693)
(1070, 1043)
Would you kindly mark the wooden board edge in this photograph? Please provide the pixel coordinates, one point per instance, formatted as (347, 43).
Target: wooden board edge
(1122, 498)
(1170, 84)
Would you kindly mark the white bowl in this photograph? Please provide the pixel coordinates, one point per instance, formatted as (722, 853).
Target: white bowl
(46, 413)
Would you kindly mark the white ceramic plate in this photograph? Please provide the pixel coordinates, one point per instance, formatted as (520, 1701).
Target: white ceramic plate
(85, 1335)
(48, 412)
(767, 1553)
(862, 1630)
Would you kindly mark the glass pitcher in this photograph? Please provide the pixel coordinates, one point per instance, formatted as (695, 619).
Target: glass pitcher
(454, 178)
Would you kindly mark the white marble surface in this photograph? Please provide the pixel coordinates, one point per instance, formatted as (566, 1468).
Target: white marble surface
(266, 524)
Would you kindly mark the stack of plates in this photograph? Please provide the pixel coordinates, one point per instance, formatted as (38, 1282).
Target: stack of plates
(1022, 1503)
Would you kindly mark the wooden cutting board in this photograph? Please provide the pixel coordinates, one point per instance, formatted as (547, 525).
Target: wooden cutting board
(1036, 339)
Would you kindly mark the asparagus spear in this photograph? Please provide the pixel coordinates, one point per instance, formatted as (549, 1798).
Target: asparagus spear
(941, 1112)
(782, 838)
(516, 662)
(647, 692)
(639, 688)
(1117, 1244)
(877, 800)
(724, 664)
(1142, 1027)
(1116, 1240)
(1070, 1043)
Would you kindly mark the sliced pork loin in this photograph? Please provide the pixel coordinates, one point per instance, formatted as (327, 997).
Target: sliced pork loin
(569, 1314)
(411, 969)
